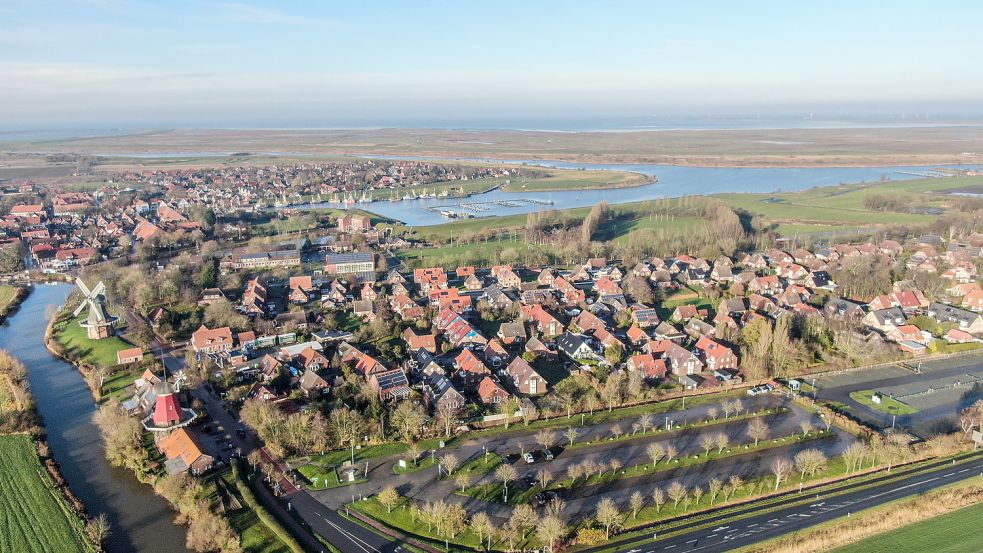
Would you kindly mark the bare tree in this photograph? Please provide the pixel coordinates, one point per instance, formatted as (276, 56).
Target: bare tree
(655, 452)
(413, 452)
(697, 494)
(525, 518)
(806, 427)
(706, 442)
(635, 503)
(720, 440)
(659, 498)
(482, 525)
(554, 507)
(734, 484)
(571, 435)
(462, 480)
(677, 492)
(714, 487)
(615, 465)
(617, 431)
(544, 477)
(546, 438)
(780, 468)
(757, 430)
(608, 515)
(551, 529)
(450, 462)
(854, 455)
(506, 473)
(671, 453)
(98, 529)
(645, 422)
(389, 498)
(574, 471)
(810, 461)
(713, 413)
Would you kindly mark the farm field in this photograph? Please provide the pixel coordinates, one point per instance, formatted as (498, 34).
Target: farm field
(33, 515)
(951, 533)
(101, 353)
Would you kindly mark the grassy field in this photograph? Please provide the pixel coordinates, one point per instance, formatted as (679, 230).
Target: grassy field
(951, 533)
(570, 179)
(7, 295)
(34, 517)
(824, 208)
(887, 405)
(100, 353)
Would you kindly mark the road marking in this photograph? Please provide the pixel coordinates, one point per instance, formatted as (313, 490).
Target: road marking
(670, 546)
(711, 536)
(355, 539)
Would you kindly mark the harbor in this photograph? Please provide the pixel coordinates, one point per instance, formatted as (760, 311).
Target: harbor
(473, 209)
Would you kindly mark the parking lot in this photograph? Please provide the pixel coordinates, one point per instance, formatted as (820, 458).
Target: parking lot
(939, 391)
(582, 499)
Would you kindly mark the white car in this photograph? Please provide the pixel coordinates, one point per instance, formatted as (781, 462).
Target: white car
(528, 458)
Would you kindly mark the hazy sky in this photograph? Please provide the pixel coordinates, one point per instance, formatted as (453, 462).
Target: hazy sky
(123, 63)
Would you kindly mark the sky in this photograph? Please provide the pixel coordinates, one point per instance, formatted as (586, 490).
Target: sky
(241, 64)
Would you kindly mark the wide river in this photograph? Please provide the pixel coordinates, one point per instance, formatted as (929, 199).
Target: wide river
(141, 521)
(673, 181)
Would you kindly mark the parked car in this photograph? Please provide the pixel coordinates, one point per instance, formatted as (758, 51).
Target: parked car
(528, 458)
(548, 455)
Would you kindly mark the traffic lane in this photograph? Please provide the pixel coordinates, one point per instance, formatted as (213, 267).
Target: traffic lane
(339, 531)
(766, 526)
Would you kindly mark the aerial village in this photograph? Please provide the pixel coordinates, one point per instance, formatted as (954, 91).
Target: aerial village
(320, 341)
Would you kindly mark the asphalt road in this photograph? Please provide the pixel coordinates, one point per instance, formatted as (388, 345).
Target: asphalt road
(757, 528)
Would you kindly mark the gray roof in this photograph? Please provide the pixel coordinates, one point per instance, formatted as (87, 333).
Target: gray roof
(353, 257)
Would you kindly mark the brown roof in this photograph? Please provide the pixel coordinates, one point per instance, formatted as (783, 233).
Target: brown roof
(180, 444)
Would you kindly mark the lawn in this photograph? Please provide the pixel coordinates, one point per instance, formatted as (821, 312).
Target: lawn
(34, 517)
(480, 465)
(887, 405)
(100, 353)
(950, 533)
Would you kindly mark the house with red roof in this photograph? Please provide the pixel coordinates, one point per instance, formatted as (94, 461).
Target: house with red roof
(415, 342)
(648, 365)
(491, 392)
(715, 355)
(469, 369)
(206, 340)
(542, 320)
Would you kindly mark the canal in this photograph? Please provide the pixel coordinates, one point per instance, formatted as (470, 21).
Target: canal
(141, 521)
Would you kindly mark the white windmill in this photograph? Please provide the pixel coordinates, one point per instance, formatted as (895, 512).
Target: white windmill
(97, 323)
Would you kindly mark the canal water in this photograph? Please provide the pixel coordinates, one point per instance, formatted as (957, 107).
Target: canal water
(141, 521)
(673, 181)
